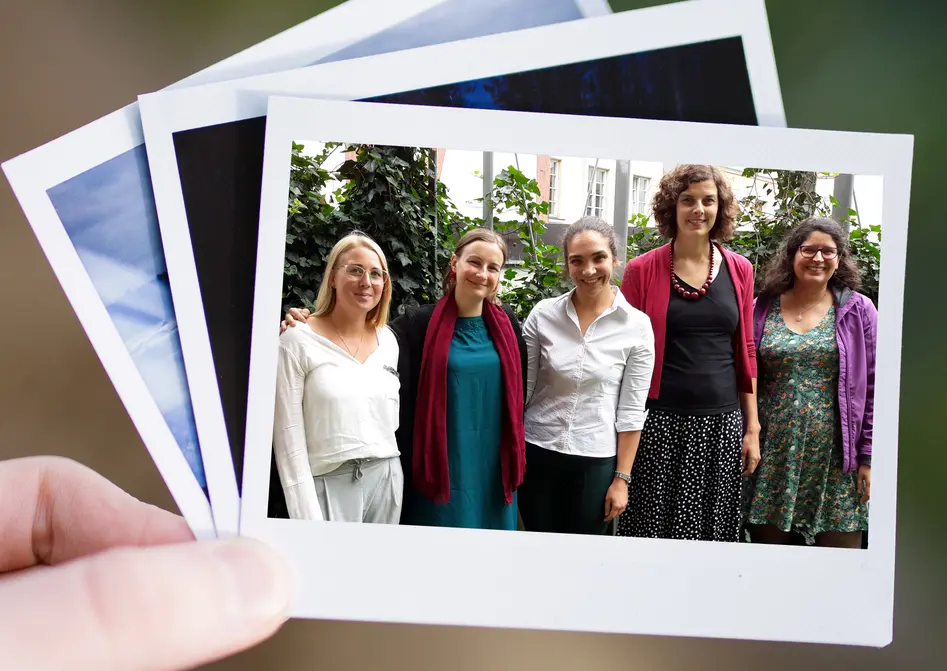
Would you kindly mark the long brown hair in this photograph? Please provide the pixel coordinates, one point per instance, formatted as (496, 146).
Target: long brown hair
(780, 274)
(449, 282)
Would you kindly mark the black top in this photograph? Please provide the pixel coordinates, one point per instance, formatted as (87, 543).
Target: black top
(410, 330)
(699, 376)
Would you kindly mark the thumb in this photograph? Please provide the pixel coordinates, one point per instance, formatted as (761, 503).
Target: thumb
(164, 607)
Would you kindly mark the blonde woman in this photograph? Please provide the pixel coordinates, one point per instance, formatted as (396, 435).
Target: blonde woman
(337, 396)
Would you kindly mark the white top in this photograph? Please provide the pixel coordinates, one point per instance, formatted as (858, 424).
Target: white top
(330, 409)
(582, 391)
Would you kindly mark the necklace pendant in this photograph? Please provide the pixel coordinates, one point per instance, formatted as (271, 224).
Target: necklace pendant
(799, 317)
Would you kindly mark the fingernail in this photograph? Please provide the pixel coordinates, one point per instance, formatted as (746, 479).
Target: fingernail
(261, 578)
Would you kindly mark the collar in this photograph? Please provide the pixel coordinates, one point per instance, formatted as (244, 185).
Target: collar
(619, 303)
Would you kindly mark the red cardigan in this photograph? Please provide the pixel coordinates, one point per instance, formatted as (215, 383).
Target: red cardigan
(647, 286)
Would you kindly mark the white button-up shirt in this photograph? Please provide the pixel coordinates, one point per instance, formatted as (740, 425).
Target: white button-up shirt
(582, 391)
(330, 409)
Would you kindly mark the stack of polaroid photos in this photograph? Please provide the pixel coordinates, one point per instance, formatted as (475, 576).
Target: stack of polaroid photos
(185, 227)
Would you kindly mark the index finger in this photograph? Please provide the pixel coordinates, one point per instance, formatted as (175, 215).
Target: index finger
(54, 509)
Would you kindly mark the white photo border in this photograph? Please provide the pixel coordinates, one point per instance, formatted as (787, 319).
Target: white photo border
(168, 112)
(33, 173)
(581, 583)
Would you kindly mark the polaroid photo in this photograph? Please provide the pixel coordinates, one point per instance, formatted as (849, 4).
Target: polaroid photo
(601, 582)
(205, 145)
(362, 28)
(89, 199)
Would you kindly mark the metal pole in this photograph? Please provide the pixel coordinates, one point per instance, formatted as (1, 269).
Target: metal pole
(432, 158)
(843, 188)
(622, 197)
(487, 189)
(588, 195)
(529, 219)
(855, 207)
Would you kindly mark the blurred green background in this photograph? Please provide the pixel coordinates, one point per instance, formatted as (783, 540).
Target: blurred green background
(865, 65)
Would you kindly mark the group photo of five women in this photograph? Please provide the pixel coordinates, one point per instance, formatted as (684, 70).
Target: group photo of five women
(677, 405)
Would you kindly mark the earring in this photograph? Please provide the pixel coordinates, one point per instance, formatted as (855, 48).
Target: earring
(453, 273)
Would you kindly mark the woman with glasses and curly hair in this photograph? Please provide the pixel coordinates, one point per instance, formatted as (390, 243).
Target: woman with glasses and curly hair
(337, 396)
(702, 431)
(815, 337)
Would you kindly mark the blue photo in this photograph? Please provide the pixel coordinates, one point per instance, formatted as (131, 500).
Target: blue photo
(109, 214)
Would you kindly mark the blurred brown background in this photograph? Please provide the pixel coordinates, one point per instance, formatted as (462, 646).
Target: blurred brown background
(854, 65)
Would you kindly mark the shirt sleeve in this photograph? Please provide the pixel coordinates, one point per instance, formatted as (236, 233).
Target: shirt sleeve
(636, 382)
(629, 286)
(531, 336)
(863, 446)
(289, 440)
(747, 319)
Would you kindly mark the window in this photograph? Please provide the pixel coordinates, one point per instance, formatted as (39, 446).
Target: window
(595, 194)
(639, 195)
(554, 187)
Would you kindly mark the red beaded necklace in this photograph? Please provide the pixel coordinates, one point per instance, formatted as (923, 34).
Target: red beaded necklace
(684, 293)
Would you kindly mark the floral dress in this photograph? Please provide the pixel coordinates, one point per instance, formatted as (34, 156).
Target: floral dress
(799, 484)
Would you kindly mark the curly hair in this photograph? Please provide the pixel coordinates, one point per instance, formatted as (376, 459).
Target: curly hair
(674, 183)
(780, 274)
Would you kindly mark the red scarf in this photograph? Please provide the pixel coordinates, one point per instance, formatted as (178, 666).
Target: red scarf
(429, 467)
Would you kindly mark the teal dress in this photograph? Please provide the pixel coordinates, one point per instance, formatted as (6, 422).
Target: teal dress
(799, 485)
(474, 407)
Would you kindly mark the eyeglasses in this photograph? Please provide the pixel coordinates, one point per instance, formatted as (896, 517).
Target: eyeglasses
(375, 275)
(809, 251)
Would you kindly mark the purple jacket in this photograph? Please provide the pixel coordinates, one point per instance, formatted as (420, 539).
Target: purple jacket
(856, 331)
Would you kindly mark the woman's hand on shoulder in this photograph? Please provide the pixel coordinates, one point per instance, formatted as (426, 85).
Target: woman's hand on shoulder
(294, 315)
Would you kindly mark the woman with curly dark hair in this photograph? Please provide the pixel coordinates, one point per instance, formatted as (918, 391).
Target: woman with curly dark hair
(702, 430)
(815, 337)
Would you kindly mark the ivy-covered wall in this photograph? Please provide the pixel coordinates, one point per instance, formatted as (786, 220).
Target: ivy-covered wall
(392, 195)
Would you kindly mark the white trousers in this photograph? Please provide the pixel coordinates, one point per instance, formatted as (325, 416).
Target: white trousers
(362, 490)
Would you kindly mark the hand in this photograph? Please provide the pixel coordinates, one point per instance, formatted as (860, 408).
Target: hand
(91, 578)
(864, 483)
(294, 315)
(750, 452)
(616, 499)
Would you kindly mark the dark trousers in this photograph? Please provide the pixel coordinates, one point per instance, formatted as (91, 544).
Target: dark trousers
(565, 493)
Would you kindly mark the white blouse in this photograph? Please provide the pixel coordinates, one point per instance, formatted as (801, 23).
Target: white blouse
(330, 409)
(582, 391)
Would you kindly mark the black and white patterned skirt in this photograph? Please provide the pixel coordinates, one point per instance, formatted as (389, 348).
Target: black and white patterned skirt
(686, 478)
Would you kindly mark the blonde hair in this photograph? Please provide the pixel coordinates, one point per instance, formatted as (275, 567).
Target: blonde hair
(449, 281)
(325, 299)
